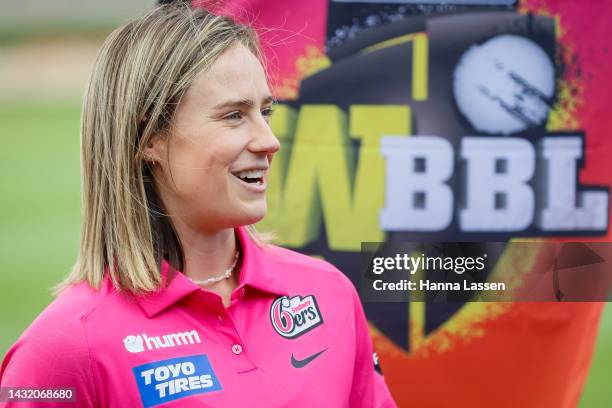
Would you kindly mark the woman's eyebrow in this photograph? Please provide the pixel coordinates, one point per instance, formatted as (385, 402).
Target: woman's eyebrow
(243, 103)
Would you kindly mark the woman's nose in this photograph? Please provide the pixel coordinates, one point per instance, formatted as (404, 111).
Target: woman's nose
(264, 139)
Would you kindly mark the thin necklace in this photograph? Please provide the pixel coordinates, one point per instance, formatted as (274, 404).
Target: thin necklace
(224, 275)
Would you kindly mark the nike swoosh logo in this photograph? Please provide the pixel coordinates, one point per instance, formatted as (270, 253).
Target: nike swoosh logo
(301, 363)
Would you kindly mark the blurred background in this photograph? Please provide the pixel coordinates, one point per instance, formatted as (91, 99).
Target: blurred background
(46, 51)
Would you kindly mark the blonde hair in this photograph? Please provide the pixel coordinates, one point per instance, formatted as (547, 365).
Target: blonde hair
(140, 75)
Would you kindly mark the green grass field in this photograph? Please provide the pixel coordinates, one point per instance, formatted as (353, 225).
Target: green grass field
(39, 218)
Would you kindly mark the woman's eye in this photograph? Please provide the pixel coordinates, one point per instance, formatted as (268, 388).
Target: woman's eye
(267, 113)
(237, 115)
(234, 116)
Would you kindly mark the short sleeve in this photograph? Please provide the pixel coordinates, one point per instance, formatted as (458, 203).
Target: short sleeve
(55, 358)
(369, 388)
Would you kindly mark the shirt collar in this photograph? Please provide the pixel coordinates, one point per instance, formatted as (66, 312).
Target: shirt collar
(255, 272)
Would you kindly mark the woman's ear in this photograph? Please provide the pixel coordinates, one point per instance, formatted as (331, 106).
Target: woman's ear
(155, 149)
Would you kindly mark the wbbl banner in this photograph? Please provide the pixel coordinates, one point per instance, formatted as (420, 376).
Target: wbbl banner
(457, 120)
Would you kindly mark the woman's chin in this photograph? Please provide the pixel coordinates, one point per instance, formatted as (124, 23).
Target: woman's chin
(252, 214)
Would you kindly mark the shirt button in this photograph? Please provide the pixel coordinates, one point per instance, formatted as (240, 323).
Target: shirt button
(220, 318)
(236, 349)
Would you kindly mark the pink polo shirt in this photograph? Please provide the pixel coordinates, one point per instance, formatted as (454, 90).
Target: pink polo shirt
(295, 335)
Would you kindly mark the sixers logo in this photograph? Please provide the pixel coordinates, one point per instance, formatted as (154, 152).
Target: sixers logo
(292, 317)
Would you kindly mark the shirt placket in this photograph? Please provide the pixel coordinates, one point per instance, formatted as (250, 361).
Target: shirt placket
(233, 347)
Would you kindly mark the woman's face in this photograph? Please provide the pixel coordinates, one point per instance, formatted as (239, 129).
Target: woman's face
(211, 171)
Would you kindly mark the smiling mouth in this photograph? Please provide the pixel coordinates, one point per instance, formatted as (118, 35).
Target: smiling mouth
(255, 177)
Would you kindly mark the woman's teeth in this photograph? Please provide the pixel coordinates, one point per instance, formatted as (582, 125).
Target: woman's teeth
(250, 176)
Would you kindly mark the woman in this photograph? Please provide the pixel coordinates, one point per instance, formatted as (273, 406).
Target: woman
(175, 299)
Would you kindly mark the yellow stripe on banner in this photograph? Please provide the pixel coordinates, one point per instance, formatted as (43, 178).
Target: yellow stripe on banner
(391, 42)
(417, 325)
(420, 67)
(420, 61)
(416, 311)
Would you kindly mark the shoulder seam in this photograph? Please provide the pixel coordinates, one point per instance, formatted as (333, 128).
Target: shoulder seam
(91, 363)
(106, 298)
(82, 321)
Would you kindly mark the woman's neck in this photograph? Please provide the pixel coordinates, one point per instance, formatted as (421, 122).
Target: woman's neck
(206, 254)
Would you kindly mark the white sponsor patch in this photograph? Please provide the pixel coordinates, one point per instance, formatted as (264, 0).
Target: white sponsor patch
(141, 342)
(292, 317)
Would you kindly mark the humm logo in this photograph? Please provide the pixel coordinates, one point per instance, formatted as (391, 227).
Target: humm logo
(137, 343)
